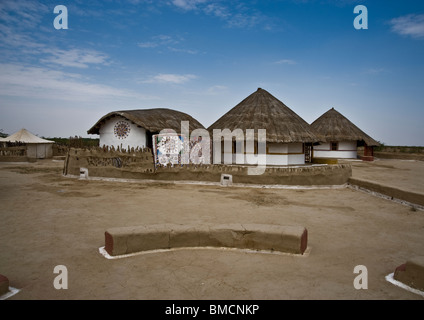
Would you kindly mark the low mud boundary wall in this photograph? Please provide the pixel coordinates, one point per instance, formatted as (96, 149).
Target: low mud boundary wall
(14, 154)
(111, 163)
(411, 273)
(16, 159)
(4, 285)
(139, 165)
(289, 239)
(301, 175)
(399, 155)
(408, 196)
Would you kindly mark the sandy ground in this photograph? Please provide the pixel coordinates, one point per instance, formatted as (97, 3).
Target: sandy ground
(49, 220)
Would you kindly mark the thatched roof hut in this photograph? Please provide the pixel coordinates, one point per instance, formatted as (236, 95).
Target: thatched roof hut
(136, 128)
(288, 137)
(153, 120)
(261, 110)
(333, 126)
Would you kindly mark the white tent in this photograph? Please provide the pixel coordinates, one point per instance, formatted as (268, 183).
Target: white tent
(36, 147)
(2, 142)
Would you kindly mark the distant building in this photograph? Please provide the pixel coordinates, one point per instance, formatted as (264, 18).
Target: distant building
(36, 147)
(340, 138)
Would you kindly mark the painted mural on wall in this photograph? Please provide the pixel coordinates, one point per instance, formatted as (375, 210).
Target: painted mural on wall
(173, 149)
(122, 129)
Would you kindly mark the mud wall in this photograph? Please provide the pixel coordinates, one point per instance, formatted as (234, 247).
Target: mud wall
(109, 162)
(290, 239)
(301, 175)
(409, 196)
(139, 165)
(13, 154)
(405, 153)
(399, 155)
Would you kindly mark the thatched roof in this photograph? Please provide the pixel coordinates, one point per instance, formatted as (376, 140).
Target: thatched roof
(333, 126)
(25, 136)
(153, 120)
(261, 110)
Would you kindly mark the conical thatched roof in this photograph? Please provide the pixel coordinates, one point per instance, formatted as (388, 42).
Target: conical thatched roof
(261, 110)
(153, 120)
(333, 126)
(25, 136)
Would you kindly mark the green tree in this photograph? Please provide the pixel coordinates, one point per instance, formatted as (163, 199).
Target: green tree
(2, 134)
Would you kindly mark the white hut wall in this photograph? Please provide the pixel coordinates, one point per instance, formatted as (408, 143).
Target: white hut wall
(345, 150)
(277, 154)
(285, 154)
(136, 136)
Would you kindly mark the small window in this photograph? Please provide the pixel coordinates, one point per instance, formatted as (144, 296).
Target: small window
(334, 146)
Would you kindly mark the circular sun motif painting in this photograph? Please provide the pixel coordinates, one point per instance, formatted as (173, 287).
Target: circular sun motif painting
(122, 129)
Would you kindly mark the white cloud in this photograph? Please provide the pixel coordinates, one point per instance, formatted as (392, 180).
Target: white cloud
(10, 38)
(286, 61)
(160, 40)
(217, 89)
(148, 44)
(42, 83)
(410, 25)
(182, 50)
(24, 13)
(243, 20)
(217, 10)
(75, 57)
(165, 39)
(235, 15)
(238, 16)
(187, 4)
(375, 71)
(23, 39)
(171, 78)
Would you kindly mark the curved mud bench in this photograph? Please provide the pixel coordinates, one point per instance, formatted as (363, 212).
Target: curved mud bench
(4, 285)
(289, 239)
(411, 273)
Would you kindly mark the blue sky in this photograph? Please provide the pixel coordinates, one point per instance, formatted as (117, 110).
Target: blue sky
(203, 57)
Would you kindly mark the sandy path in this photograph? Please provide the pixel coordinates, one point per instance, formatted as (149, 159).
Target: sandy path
(49, 220)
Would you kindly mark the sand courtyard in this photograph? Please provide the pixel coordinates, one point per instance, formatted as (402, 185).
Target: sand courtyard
(49, 220)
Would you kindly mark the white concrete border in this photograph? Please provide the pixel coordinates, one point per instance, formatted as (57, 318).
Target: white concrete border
(105, 254)
(12, 292)
(386, 197)
(209, 183)
(258, 186)
(390, 278)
